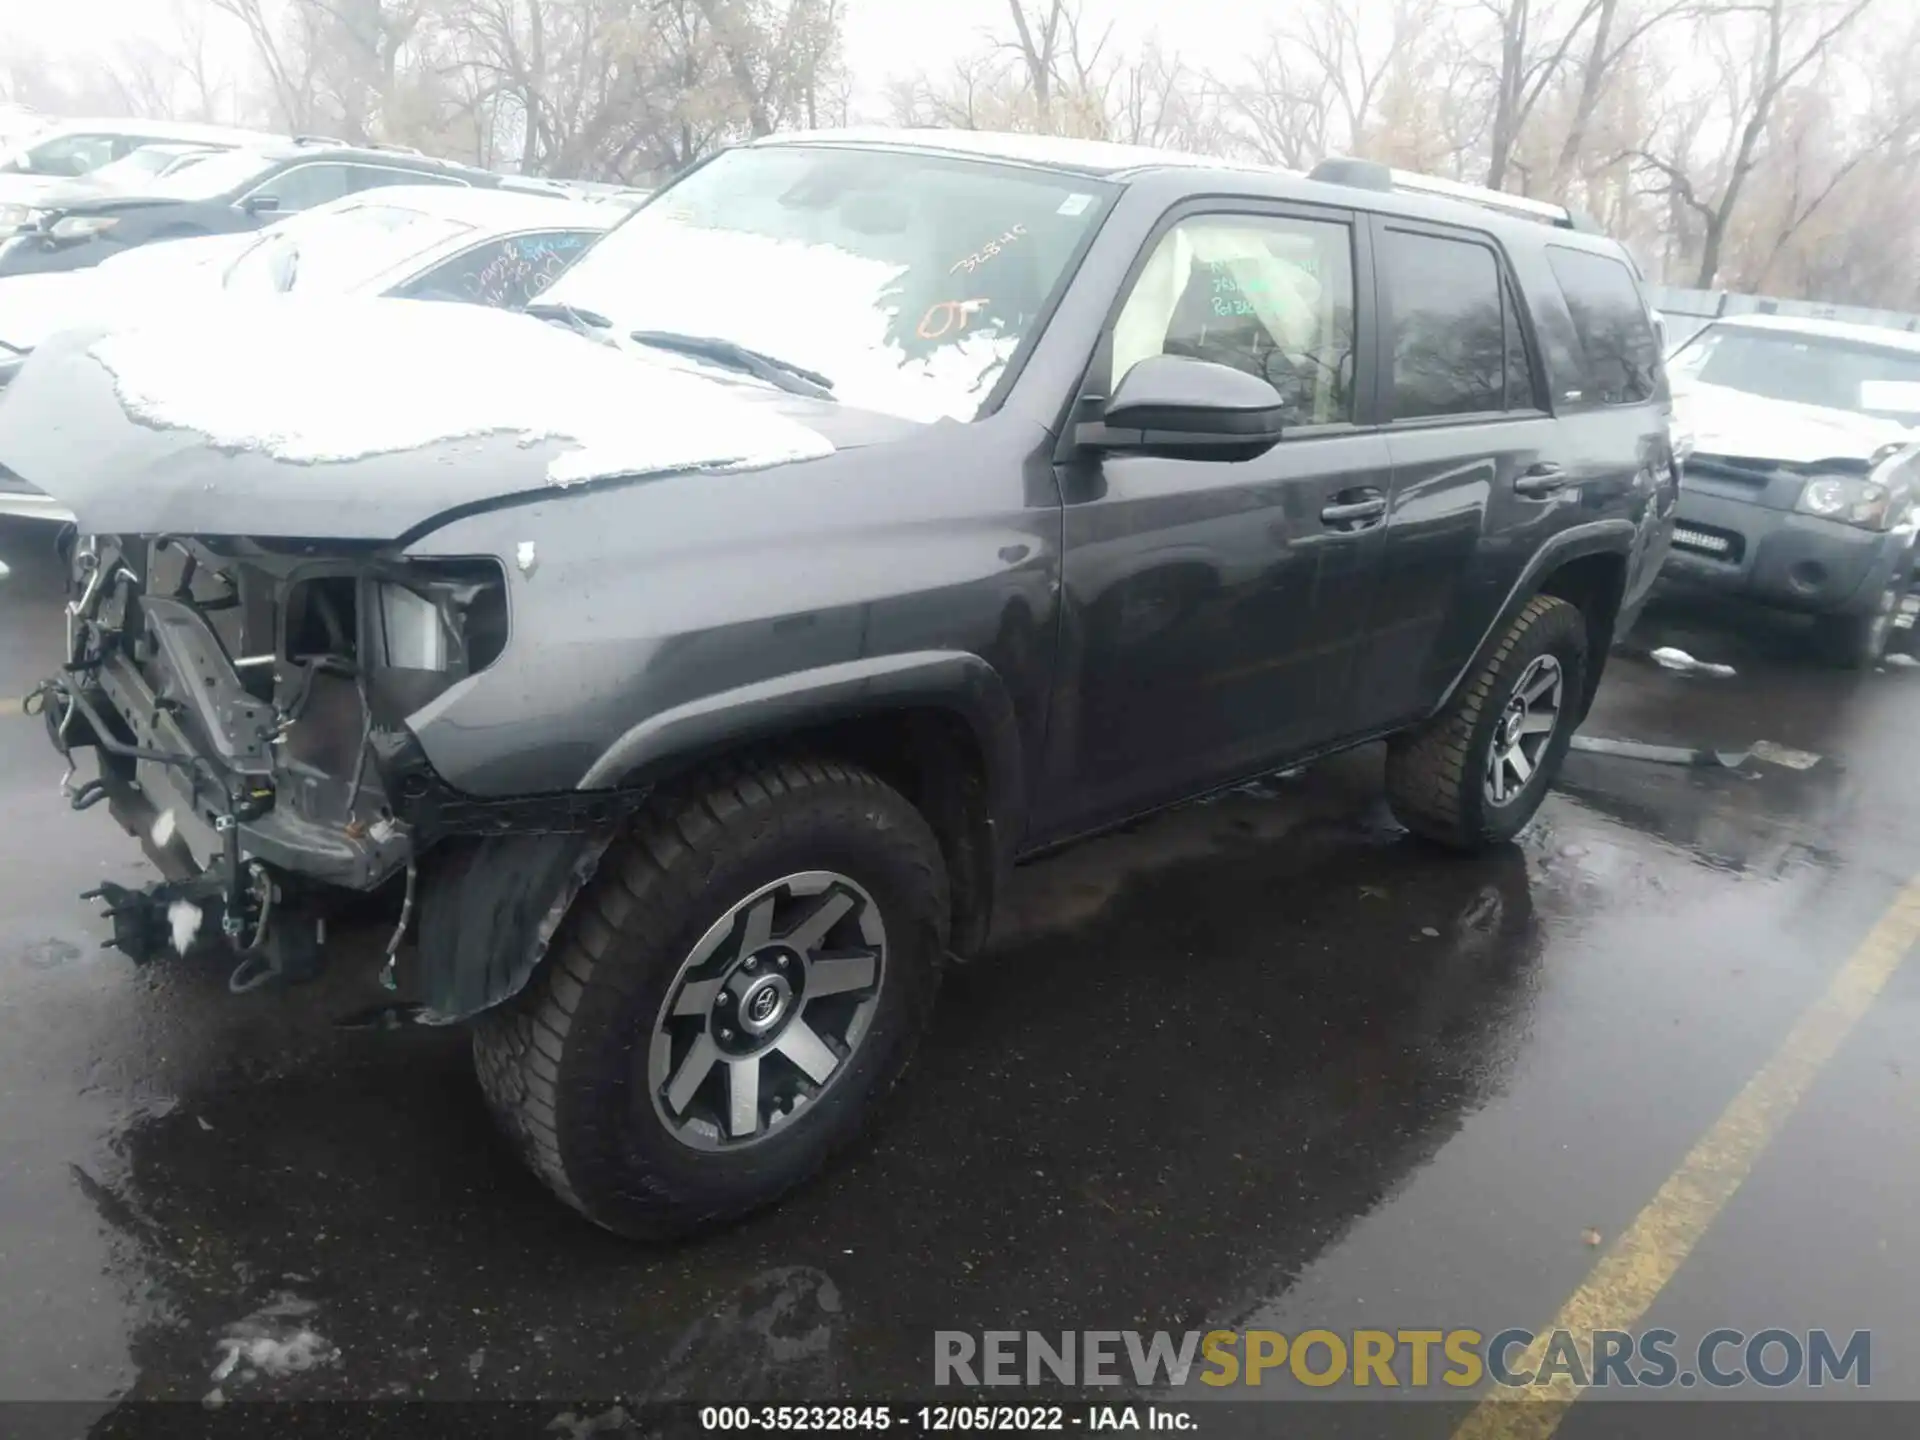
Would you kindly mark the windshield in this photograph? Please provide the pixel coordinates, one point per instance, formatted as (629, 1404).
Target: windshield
(144, 164)
(210, 178)
(1833, 373)
(336, 250)
(65, 154)
(908, 280)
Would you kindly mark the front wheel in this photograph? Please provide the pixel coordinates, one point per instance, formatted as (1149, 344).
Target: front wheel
(1473, 775)
(742, 980)
(1859, 642)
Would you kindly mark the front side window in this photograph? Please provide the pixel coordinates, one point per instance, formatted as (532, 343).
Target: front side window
(1268, 294)
(304, 186)
(1807, 369)
(1450, 342)
(909, 280)
(1611, 321)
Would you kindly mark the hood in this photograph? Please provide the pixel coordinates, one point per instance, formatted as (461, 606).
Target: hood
(357, 419)
(32, 190)
(1737, 424)
(76, 198)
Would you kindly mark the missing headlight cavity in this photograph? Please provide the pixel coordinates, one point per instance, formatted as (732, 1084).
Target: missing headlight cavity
(444, 616)
(427, 625)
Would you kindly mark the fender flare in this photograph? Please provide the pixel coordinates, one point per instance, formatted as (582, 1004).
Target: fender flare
(1595, 537)
(955, 681)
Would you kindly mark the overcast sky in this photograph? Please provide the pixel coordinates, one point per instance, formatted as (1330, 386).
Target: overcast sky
(883, 37)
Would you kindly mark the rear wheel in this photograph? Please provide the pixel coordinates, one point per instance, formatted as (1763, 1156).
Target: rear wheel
(744, 977)
(1474, 774)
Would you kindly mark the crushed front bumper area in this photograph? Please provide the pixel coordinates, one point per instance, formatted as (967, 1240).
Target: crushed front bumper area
(248, 711)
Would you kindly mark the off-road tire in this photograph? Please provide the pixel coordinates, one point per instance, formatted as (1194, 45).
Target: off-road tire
(1436, 773)
(563, 1064)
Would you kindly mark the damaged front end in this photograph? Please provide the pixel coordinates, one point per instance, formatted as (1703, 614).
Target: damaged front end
(248, 702)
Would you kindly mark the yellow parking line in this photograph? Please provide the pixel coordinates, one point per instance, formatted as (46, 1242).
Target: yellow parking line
(9, 706)
(1623, 1285)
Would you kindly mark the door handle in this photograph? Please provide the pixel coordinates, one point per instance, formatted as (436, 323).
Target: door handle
(1541, 479)
(1355, 513)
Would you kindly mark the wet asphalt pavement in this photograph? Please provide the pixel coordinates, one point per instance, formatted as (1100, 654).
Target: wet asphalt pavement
(1263, 1061)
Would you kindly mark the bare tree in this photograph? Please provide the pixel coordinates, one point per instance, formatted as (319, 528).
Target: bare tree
(1611, 39)
(1778, 42)
(1317, 84)
(1533, 45)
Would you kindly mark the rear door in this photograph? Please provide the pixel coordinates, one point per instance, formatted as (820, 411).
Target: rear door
(1212, 611)
(1620, 421)
(1479, 471)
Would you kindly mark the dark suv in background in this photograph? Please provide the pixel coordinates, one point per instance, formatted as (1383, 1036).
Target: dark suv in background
(871, 512)
(237, 190)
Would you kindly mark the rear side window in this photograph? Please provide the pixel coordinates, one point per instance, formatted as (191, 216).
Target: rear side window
(1523, 387)
(1621, 354)
(1450, 343)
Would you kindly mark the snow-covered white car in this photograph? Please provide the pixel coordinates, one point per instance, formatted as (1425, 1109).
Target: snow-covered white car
(1801, 487)
(487, 247)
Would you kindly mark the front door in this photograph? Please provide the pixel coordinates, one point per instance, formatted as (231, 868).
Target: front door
(1213, 609)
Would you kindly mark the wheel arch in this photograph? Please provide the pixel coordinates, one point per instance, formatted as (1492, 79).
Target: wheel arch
(938, 726)
(1585, 565)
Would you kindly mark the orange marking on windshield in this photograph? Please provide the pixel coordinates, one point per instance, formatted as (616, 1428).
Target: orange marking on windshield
(946, 317)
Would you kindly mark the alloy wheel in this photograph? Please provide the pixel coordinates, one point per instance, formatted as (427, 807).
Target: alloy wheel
(767, 1011)
(1524, 730)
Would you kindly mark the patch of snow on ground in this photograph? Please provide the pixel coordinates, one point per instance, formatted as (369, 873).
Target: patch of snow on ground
(314, 382)
(274, 1341)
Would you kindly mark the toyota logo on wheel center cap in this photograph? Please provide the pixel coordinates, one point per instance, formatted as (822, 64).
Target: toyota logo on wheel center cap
(763, 1003)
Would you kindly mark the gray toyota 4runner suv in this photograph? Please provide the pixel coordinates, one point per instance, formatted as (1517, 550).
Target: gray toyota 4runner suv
(864, 514)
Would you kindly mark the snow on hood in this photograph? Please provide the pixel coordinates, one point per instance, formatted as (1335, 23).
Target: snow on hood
(338, 379)
(1734, 422)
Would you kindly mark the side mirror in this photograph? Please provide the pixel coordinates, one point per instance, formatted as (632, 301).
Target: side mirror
(1191, 409)
(1660, 331)
(260, 204)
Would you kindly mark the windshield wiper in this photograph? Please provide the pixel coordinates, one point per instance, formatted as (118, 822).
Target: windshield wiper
(790, 377)
(572, 314)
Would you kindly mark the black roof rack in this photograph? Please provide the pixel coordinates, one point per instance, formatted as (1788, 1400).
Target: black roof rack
(1372, 175)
